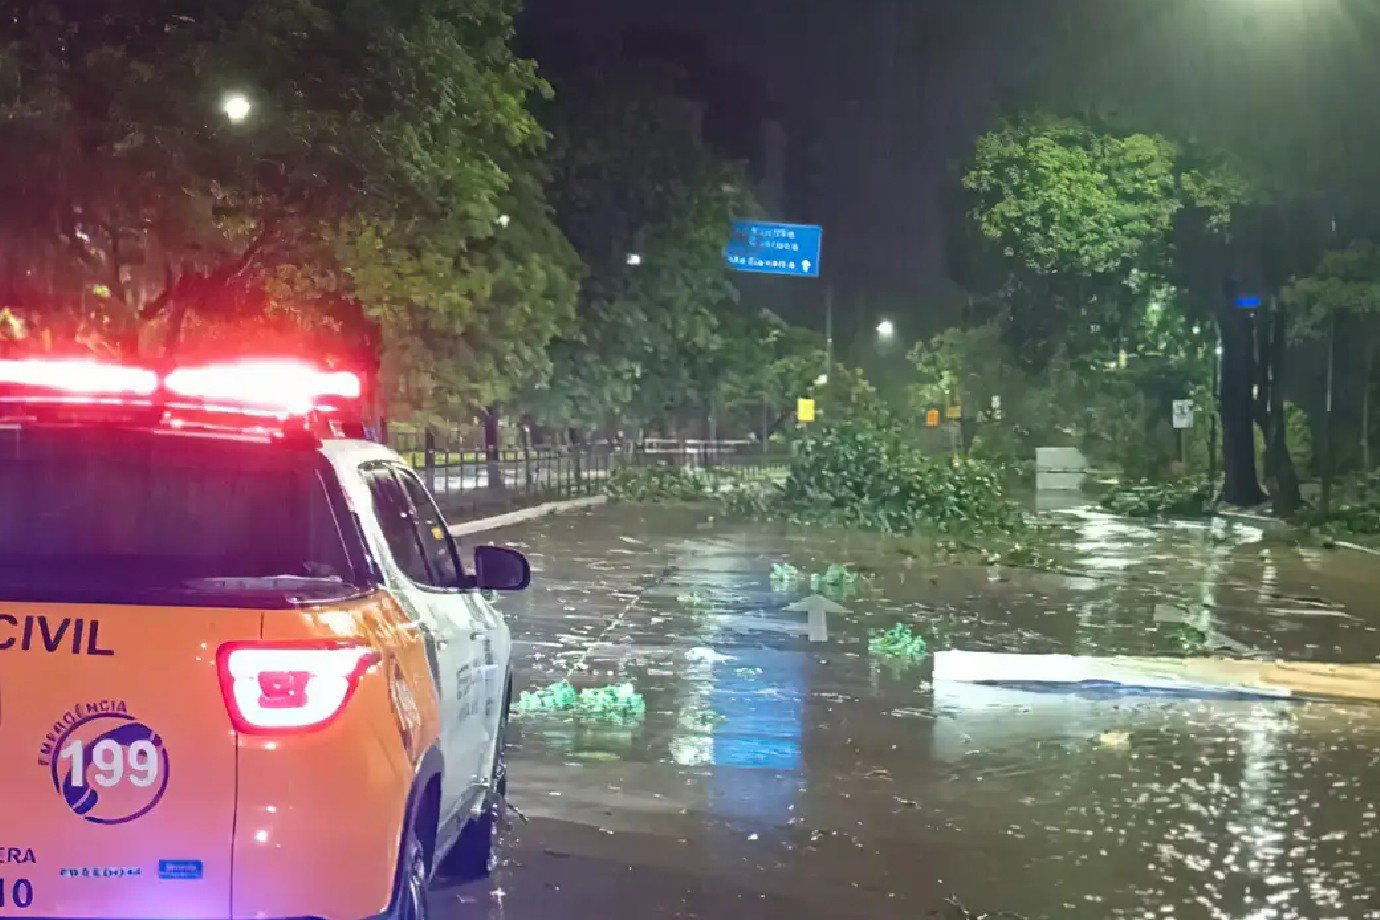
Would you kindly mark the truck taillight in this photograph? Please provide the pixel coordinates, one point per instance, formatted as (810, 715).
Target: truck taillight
(287, 688)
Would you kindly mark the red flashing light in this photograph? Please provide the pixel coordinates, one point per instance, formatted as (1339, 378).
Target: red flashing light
(276, 389)
(290, 387)
(79, 377)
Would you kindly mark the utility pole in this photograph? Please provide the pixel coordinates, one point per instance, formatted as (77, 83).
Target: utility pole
(828, 330)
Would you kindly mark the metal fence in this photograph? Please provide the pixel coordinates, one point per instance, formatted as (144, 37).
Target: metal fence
(468, 483)
(744, 459)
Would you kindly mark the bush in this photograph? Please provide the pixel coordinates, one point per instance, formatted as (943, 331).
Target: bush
(1359, 520)
(659, 484)
(1192, 497)
(864, 473)
(873, 476)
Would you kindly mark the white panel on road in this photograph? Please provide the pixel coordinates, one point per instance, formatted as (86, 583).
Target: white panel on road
(1060, 469)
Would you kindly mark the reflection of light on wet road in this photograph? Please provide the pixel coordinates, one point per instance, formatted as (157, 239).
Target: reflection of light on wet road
(743, 697)
(757, 738)
(779, 780)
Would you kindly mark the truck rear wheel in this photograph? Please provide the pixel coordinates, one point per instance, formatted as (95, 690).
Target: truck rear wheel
(475, 854)
(412, 900)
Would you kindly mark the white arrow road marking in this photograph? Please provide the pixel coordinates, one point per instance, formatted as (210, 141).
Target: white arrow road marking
(817, 610)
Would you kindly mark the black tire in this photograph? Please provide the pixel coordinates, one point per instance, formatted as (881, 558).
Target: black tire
(475, 854)
(413, 875)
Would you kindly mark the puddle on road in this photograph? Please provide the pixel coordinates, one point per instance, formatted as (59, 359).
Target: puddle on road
(800, 779)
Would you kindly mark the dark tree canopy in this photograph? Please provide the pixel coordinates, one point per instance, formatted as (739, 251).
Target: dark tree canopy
(383, 143)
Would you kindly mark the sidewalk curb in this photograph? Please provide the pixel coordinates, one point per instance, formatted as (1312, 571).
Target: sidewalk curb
(524, 515)
(1275, 525)
(1359, 548)
(1263, 521)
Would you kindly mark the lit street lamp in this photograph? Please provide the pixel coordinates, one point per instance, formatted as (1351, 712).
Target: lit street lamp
(236, 107)
(886, 330)
(634, 258)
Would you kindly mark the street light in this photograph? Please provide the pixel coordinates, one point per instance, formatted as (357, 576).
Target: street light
(634, 258)
(886, 330)
(236, 107)
(504, 220)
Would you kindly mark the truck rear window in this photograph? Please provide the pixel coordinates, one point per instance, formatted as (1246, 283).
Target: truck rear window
(117, 516)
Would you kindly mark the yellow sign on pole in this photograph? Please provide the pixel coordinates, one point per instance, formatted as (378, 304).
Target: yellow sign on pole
(955, 413)
(805, 410)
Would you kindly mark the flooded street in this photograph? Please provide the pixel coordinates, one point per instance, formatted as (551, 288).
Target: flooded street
(774, 777)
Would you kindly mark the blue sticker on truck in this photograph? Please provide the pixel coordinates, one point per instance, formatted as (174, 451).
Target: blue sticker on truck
(180, 870)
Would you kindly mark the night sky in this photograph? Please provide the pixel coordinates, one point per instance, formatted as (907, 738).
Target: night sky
(879, 101)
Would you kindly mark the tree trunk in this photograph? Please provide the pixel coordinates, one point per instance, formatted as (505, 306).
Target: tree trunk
(1241, 485)
(1260, 398)
(1285, 491)
(1365, 412)
(491, 448)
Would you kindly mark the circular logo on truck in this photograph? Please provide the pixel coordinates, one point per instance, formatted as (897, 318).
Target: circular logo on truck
(109, 767)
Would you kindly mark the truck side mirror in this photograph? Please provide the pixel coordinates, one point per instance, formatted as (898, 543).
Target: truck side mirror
(497, 568)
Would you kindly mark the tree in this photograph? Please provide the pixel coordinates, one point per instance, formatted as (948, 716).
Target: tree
(1270, 87)
(1091, 221)
(763, 366)
(372, 168)
(1062, 198)
(631, 176)
(1344, 291)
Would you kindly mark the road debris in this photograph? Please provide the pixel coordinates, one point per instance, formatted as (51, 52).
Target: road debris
(900, 643)
(617, 701)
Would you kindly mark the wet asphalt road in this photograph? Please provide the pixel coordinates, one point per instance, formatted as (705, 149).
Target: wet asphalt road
(773, 777)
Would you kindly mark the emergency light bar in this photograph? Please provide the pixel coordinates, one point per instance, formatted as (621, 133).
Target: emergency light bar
(79, 377)
(278, 389)
(290, 386)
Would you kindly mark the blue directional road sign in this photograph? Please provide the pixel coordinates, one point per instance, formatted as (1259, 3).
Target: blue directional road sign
(1249, 301)
(775, 249)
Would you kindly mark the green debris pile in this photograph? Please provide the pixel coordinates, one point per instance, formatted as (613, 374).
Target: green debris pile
(785, 576)
(559, 697)
(616, 701)
(900, 643)
(838, 578)
(1038, 548)
(1194, 497)
(1189, 640)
